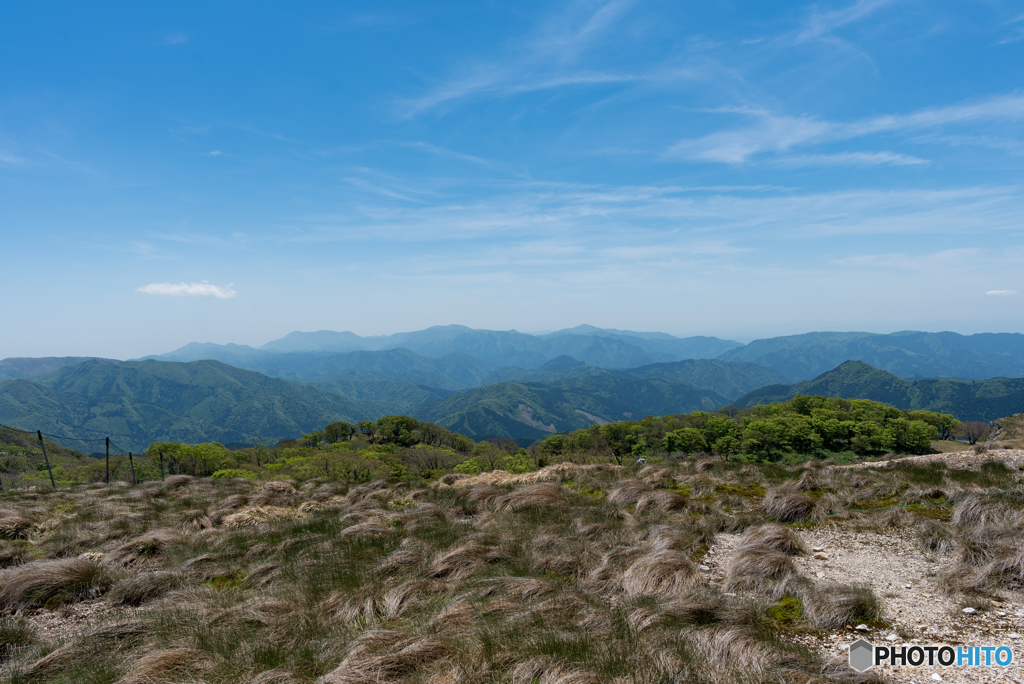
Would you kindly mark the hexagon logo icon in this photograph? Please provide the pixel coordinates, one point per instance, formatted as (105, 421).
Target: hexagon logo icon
(861, 652)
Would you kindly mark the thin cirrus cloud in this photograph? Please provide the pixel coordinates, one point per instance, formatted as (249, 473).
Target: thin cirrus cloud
(1001, 293)
(200, 289)
(778, 134)
(543, 60)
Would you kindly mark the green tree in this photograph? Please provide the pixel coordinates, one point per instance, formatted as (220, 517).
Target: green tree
(688, 440)
(397, 430)
(904, 436)
(336, 432)
(946, 424)
(368, 428)
(726, 446)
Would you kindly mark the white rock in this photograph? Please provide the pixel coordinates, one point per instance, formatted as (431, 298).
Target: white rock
(862, 628)
(704, 567)
(936, 677)
(821, 556)
(1013, 635)
(966, 611)
(1001, 614)
(891, 637)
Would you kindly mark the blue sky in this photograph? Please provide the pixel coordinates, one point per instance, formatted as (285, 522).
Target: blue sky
(233, 171)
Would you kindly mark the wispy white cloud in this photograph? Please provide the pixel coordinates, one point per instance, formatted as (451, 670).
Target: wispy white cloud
(212, 153)
(174, 39)
(820, 25)
(200, 289)
(545, 59)
(9, 158)
(773, 133)
(1001, 293)
(850, 159)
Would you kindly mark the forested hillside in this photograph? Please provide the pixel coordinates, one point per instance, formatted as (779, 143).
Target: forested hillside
(983, 400)
(145, 401)
(529, 410)
(17, 368)
(910, 355)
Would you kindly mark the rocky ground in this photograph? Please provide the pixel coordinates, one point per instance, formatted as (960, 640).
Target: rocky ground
(918, 612)
(970, 460)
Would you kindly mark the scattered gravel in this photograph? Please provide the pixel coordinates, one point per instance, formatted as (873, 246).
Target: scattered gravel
(963, 460)
(903, 578)
(58, 625)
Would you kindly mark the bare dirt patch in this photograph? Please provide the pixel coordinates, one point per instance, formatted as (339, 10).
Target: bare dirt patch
(915, 608)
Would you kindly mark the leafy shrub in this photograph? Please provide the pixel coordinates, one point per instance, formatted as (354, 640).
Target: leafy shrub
(229, 473)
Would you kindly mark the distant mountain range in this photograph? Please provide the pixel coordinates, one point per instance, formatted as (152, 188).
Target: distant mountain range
(138, 402)
(15, 368)
(496, 383)
(910, 355)
(984, 400)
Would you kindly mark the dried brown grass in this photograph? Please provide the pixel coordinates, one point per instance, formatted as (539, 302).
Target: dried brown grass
(778, 537)
(14, 525)
(757, 567)
(161, 665)
(145, 549)
(833, 605)
(975, 511)
(788, 505)
(545, 494)
(628, 492)
(51, 582)
(404, 658)
(665, 573)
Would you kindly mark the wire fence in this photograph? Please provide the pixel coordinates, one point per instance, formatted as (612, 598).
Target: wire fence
(39, 457)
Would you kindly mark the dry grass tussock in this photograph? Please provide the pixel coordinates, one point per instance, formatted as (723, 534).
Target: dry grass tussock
(501, 478)
(572, 574)
(787, 504)
(51, 583)
(758, 567)
(162, 665)
(665, 573)
(257, 515)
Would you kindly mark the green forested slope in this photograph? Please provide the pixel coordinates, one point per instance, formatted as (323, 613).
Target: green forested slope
(520, 410)
(143, 401)
(727, 378)
(906, 354)
(983, 400)
(16, 368)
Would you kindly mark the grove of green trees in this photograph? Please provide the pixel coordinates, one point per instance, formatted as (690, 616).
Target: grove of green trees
(400, 447)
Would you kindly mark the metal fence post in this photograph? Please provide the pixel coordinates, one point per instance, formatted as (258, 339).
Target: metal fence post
(46, 458)
(131, 462)
(108, 460)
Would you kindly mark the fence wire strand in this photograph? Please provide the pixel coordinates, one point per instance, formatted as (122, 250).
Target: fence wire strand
(118, 462)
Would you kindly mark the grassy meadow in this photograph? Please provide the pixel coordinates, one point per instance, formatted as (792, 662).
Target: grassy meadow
(570, 574)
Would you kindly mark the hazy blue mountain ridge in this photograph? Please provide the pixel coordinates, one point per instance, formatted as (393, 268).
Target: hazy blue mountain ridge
(906, 354)
(984, 400)
(136, 402)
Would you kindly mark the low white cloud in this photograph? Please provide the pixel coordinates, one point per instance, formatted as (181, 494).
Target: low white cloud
(1001, 293)
(212, 153)
(174, 39)
(201, 289)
